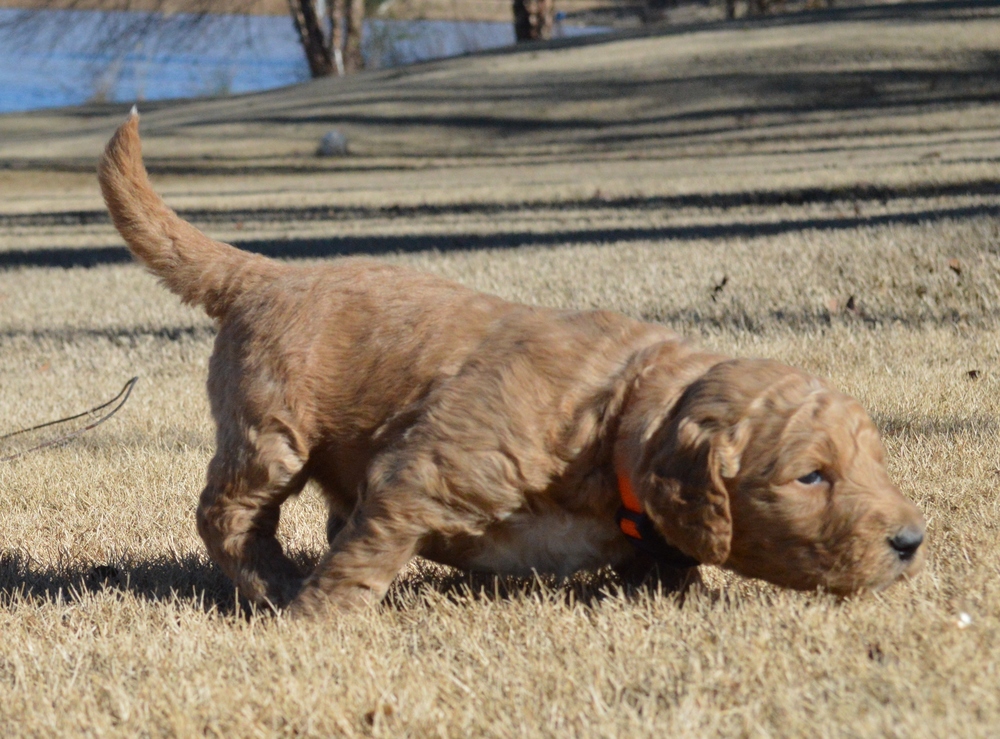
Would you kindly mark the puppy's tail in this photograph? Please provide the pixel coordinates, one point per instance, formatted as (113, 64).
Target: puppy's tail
(201, 270)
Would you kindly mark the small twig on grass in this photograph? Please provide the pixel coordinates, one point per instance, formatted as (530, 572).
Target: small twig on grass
(116, 403)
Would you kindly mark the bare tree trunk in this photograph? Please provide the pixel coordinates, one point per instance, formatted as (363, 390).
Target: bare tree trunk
(314, 41)
(337, 20)
(533, 19)
(522, 21)
(332, 44)
(546, 15)
(353, 60)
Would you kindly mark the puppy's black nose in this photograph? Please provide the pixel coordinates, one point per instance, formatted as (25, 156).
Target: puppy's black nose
(907, 541)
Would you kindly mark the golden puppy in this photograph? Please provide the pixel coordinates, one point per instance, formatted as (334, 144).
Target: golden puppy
(493, 436)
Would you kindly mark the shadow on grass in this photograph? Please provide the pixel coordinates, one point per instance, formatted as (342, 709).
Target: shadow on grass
(588, 588)
(337, 246)
(187, 578)
(893, 425)
(196, 582)
(798, 196)
(691, 320)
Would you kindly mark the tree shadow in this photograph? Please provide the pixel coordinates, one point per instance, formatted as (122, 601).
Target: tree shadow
(335, 246)
(796, 196)
(921, 426)
(915, 12)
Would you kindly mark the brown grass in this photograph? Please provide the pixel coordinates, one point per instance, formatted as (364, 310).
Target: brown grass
(115, 624)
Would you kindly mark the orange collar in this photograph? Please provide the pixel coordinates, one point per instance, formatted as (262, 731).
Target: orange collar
(638, 527)
(629, 526)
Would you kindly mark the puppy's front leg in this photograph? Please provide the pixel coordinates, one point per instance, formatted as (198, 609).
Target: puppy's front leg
(366, 555)
(406, 496)
(429, 483)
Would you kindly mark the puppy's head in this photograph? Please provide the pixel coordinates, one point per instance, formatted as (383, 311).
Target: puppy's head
(771, 473)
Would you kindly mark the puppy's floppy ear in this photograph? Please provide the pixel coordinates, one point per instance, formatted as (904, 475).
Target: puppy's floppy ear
(684, 485)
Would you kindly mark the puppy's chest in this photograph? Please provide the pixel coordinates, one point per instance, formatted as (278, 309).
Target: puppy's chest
(554, 542)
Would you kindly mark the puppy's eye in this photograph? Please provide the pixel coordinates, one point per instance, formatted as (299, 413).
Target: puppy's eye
(812, 478)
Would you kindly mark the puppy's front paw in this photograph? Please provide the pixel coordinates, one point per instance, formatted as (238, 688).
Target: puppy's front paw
(312, 603)
(274, 592)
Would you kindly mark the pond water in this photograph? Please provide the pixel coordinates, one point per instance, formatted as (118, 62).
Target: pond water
(54, 58)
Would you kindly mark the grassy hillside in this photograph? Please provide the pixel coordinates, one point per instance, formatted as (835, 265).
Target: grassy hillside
(820, 189)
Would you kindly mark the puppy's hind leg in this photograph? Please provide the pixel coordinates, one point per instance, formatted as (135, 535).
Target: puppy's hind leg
(239, 510)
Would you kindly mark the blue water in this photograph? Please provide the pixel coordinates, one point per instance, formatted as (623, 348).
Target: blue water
(66, 57)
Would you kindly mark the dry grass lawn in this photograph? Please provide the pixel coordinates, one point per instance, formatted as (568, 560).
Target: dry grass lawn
(824, 191)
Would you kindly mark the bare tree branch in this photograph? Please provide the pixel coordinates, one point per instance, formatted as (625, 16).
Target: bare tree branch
(115, 403)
